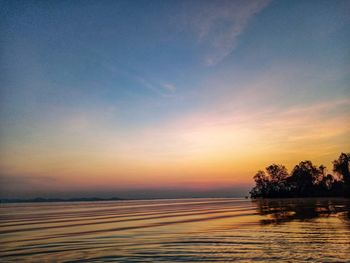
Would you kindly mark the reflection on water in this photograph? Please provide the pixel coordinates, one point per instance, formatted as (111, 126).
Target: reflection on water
(183, 230)
(287, 210)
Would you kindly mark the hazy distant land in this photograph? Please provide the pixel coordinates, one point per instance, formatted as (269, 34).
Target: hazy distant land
(46, 200)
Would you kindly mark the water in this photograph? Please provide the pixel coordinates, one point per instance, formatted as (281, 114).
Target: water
(182, 230)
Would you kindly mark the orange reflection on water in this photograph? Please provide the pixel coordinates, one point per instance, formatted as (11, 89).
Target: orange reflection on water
(182, 230)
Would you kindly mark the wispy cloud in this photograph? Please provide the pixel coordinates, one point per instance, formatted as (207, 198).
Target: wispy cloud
(170, 87)
(276, 134)
(218, 24)
(164, 89)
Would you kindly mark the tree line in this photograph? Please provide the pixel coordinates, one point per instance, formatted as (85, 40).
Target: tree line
(305, 180)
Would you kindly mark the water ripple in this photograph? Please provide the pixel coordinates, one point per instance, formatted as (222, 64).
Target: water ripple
(184, 230)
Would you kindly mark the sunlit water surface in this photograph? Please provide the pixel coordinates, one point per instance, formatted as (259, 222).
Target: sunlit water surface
(182, 230)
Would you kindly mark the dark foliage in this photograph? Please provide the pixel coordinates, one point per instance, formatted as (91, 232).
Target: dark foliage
(305, 180)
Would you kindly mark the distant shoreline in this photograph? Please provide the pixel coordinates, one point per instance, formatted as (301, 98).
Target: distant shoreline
(97, 199)
(53, 200)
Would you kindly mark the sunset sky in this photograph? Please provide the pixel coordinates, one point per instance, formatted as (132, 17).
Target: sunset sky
(168, 98)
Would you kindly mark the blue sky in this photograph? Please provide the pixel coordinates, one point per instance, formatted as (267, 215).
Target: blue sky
(159, 83)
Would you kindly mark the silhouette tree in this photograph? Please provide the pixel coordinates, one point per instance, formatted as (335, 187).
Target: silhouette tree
(327, 181)
(262, 185)
(305, 180)
(304, 177)
(341, 167)
(271, 184)
(277, 174)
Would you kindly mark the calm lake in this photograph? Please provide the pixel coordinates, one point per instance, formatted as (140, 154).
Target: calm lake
(181, 230)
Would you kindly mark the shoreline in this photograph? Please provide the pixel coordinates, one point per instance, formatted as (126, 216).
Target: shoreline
(96, 199)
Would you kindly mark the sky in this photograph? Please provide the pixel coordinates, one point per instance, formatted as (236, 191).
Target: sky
(150, 99)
